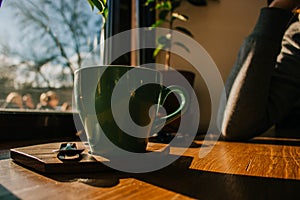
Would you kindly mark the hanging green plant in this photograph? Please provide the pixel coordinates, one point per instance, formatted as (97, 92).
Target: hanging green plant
(167, 14)
(101, 5)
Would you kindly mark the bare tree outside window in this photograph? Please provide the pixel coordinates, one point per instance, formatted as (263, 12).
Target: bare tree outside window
(54, 38)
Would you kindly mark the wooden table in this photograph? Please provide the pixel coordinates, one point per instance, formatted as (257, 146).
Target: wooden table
(265, 168)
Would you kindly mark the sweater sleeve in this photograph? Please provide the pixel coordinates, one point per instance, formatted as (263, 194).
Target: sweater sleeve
(259, 90)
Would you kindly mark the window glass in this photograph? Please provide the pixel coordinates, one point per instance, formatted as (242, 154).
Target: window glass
(42, 42)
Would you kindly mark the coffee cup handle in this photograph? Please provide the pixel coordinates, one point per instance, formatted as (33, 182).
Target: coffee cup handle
(184, 101)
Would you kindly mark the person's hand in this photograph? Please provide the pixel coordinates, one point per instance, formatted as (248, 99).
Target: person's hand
(286, 4)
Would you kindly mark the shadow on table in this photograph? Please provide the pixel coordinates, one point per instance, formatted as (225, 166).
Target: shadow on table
(104, 180)
(179, 178)
(210, 185)
(278, 137)
(6, 194)
(270, 137)
(177, 141)
(275, 141)
(107, 178)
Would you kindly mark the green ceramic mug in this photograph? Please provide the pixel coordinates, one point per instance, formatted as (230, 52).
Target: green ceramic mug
(119, 106)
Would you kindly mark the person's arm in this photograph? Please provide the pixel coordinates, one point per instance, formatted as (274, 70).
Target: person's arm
(259, 91)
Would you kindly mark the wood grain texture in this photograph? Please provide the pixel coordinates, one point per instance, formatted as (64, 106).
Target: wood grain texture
(230, 171)
(263, 160)
(43, 159)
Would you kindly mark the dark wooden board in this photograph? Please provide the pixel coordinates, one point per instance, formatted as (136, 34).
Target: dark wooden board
(43, 159)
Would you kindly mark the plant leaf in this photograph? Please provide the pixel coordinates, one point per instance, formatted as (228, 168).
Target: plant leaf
(184, 30)
(157, 23)
(164, 40)
(105, 13)
(163, 14)
(158, 49)
(182, 45)
(199, 2)
(180, 16)
(100, 4)
(165, 5)
(91, 4)
(148, 2)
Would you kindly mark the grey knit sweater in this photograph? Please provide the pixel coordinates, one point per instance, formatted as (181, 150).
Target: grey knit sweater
(264, 84)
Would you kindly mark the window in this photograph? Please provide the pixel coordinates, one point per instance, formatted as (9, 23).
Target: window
(42, 43)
